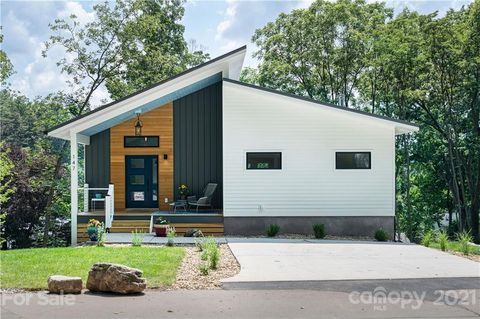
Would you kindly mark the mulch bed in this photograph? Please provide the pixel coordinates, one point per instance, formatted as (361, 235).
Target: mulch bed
(190, 277)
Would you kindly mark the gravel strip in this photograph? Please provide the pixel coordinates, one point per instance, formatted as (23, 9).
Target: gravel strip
(189, 276)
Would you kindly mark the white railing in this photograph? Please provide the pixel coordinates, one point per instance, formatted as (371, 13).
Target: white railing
(109, 201)
(109, 207)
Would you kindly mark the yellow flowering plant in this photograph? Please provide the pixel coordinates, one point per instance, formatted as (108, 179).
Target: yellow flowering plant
(183, 190)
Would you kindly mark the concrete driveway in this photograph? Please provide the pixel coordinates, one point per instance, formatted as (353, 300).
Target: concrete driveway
(267, 260)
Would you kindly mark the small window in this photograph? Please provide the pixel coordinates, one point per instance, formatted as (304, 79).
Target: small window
(141, 141)
(353, 160)
(264, 160)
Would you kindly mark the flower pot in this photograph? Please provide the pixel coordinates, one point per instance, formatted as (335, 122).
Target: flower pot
(92, 233)
(160, 230)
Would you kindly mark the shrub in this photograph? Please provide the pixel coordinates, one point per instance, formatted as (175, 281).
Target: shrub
(464, 238)
(381, 235)
(214, 256)
(319, 231)
(204, 268)
(170, 236)
(210, 252)
(427, 238)
(443, 240)
(137, 238)
(101, 235)
(273, 230)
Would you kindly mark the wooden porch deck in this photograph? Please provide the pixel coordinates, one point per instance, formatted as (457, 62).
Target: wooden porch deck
(128, 220)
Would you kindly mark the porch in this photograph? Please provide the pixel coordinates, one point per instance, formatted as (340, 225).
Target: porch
(124, 221)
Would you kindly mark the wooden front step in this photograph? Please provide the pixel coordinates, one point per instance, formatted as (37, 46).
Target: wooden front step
(128, 226)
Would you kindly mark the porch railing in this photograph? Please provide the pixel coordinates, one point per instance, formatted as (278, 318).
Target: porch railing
(109, 201)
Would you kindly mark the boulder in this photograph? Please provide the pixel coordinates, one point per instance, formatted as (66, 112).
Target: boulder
(193, 233)
(120, 279)
(64, 285)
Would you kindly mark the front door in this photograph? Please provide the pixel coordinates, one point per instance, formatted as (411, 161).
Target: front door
(141, 181)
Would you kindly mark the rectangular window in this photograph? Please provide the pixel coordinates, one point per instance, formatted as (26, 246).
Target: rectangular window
(353, 160)
(264, 160)
(141, 141)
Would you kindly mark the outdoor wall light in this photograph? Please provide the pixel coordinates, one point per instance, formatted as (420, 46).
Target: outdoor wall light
(165, 156)
(138, 126)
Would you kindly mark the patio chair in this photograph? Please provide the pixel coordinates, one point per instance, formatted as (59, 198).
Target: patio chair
(206, 199)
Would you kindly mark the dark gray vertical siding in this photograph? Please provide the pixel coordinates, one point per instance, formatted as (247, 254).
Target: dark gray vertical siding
(197, 131)
(97, 160)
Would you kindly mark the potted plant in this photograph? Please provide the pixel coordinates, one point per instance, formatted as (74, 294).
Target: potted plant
(92, 229)
(183, 190)
(161, 227)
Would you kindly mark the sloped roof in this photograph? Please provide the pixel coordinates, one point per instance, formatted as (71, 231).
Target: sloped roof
(409, 127)
(227, 66)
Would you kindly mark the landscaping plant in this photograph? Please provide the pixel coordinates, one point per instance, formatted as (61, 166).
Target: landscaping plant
(427, 238)
(137, 238)
(464, 238)
(101, 235)
(210, 252)
(443, 240)
(204, 268)
(381, 235)
(273, 230)
(170, 236)
(319, 231)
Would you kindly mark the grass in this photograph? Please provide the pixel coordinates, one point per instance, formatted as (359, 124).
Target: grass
(30, 268)
(456, 246)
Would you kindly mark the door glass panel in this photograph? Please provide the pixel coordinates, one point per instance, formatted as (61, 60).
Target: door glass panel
(154, 171)
(154, 179)
(137, 163)
(137, 179)
(137, 196)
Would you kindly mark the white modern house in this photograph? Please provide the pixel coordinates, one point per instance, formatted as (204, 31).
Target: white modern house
(274, 158)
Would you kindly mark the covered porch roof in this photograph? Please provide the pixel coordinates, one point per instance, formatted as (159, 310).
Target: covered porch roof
(227, 66)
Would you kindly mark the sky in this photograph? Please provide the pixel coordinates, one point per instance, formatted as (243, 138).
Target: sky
(218, 26)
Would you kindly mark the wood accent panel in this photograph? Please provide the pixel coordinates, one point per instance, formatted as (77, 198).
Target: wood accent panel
(156, 122)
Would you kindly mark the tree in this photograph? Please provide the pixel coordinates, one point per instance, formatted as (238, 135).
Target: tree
(152, 47)
(320, 51)
(6, 67)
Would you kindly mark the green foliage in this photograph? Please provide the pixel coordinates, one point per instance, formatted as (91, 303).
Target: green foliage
(443, 240)
(273, 230)
(161, 221)
(170, 236)
(102, 236)
(204, 268)
(210, 252)
(319, 231)
(6, 66)
(428, 238)
(381, 235)
(464, 238)
(137, 238)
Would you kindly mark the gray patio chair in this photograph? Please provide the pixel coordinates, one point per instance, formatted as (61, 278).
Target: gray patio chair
(206, 199)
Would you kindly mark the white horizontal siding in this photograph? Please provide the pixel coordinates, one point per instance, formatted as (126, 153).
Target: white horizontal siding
(308, 136)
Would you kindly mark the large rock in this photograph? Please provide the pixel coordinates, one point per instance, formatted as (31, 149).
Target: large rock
(62, 284)
(115, 278)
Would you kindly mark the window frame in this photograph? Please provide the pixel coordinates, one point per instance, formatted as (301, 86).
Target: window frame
(263, 152)
(143, 136)
(369, 152)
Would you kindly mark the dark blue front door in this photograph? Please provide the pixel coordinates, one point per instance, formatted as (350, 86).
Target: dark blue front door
(141, 181)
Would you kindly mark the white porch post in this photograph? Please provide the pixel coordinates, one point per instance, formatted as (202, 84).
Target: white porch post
(73, 186)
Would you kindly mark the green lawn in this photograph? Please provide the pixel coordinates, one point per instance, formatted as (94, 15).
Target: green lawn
(455, 246)
(30, 268)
